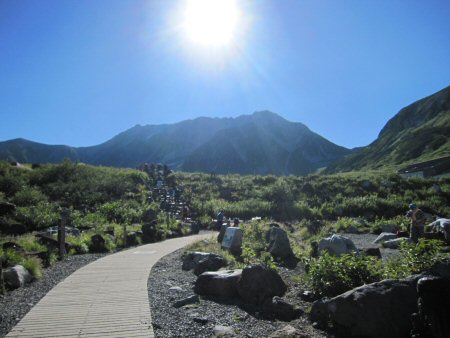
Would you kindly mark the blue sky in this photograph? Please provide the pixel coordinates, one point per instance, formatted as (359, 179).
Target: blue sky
(79, 72)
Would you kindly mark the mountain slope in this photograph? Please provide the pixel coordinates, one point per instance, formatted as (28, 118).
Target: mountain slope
(418, 132)
(263, 143)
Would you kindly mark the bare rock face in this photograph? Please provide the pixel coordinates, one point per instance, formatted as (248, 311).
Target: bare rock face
(259, 283)
(381, 309)
(218, 284)
(16, 277)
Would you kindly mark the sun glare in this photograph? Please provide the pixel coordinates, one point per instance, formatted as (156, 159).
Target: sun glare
(211, 22)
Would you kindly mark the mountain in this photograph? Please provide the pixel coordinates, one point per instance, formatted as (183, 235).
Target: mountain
(261, 143)
(417, 133)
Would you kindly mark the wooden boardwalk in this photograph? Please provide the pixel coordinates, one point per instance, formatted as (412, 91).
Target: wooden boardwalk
(107, 298)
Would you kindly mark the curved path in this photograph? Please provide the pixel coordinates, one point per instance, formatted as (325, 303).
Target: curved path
(107, 298)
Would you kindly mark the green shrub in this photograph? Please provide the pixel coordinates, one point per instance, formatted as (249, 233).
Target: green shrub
(34, 266)
(330, 275)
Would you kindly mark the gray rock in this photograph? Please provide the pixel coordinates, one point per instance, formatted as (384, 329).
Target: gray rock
(200, 320)
(279, 245)
(395, 243)
(384, 236)
(149, 232)
(98, 244)
(16, 277)
(186, 301)
(375, 252)
(281, 309)
(176, 288)
(381, 309)
(203, 261)
(223, 331)
(259, 283)
(219, 283)
(337, 245)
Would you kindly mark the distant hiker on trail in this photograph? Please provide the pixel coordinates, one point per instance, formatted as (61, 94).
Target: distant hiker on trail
(418, 219)
(220, 217)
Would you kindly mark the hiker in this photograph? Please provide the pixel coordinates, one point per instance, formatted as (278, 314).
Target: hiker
(220, 217)
(441, 225)
(417, 217)
(236, 222)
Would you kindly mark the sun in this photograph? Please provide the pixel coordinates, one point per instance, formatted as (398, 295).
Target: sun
(211, 22)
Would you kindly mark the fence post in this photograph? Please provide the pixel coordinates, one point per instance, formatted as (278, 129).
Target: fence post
(62, 233)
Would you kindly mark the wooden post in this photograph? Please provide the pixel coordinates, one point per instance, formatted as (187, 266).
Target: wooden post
(124, 235)
(62, 233)
(2, 283)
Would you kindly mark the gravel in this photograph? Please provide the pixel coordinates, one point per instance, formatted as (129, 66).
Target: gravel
(16, 304)
(200, 319)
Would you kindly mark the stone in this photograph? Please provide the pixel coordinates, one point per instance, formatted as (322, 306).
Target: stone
(186, 301)
(395, 243)
(218, 284)
(7, 208)
(149, 232)
(279, 245)
(233, 240)
(98, 244)
(132, 239)
(381, 309)
(200, 320)
(259, 283)
(374, 252)
(432, 319)
(384, 236)
(149, 216)
(195, 227)
(176, 288)
(222, 230)
(440, 269)
(192, 259)
(337, 245)
(288, 331)
(223, 331)
(211, 263)
(282, 310)
(16, 277)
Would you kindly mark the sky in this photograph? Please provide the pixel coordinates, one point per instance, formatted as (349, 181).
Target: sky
(80, 72)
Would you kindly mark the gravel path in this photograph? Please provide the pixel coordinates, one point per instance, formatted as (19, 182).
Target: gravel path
(169, 321)
(15, 304)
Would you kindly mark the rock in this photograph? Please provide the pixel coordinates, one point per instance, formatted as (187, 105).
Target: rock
(440, 269)
(436, 188)
(259, 283)
(176, 288)
(381, 309)
(132, 239)
(219, 283)
(395, 243)
(384, 236)
(200, 320)
(51, 243)
(288, 331)
(16, 277)
(279, 245)
(389, 228)
(222, 231)
(336, 245)
(222, 331)
(233, 240)
(149, 216)
(149, 232)
(98, 244)
(203, 261)
(7, 208)
(281, 309)
(432, 319)
(375, 252)
(12, 246)
(307, 296)
(211, 263)
(186, 301)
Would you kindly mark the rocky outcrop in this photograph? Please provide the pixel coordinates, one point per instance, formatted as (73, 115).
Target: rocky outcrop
(381, 309)
(259, 283)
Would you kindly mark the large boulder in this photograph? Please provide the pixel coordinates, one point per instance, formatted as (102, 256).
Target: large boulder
(384, 236)
(16, 277)
(381, 309)
(337, 245)
(149, 232)
(191, 260)
(279, 245)
(433, 317)
(259, 283)
(218, 284)
(98, 244)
